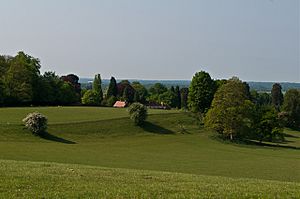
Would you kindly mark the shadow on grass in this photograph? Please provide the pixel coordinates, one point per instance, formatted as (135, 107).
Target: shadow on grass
(250, 142)
(153, 128)
(253, 143)
(50, 137)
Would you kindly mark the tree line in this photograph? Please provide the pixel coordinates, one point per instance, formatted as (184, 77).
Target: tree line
(235, 112)
(22, 84)
(227, 106)
(158, 94)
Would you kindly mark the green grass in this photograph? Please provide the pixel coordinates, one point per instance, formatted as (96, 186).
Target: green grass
(67, 114)
(48, 180)
(170, 141)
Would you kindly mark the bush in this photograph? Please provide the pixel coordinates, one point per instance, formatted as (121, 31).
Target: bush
(36, 123)
(138, 113)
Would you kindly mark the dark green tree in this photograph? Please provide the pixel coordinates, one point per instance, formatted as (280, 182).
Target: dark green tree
(112, 88)
(247, 87)
(97, 87)
(2, 93)
(126, 94)
(277, 96)
(157, 89)
(140, 92)
(178, 97)
(260, 99)
(201, 92)
(291, 106)
(67, 94)
(267, 125)
(184, 97)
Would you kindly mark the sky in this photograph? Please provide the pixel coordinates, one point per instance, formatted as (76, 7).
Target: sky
(256, 40)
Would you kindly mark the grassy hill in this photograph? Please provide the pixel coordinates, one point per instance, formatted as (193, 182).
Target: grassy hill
(50, 180)
(170, 156)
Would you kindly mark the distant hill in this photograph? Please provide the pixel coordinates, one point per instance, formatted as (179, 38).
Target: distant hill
(259, 86)
(267, 86)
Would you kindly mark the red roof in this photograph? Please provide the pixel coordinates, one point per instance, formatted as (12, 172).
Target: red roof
(120, 104)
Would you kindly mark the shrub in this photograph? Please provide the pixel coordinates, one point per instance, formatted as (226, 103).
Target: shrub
(138, 113)
(36, 123)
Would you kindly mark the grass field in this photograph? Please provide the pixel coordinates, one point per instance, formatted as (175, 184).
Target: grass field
(98, 152)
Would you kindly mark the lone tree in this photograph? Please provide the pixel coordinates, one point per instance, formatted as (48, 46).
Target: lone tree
(277, 96)
(138, 113)
(36, 123)
(230, 114)
(201, 92)
(97, 87)
(291, 106)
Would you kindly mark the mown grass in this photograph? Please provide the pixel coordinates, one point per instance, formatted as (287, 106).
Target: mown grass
(48, 180)
(170, 141)
(67, 114)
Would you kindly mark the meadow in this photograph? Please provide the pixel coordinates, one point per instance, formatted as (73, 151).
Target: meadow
(93, 152)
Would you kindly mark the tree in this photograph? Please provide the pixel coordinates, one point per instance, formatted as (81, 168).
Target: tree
(277, 96)
(178, 97)
(111, 101)
(112, 88)
(126, 91)
(67, 94)
(73, 80)
(36, 123)
(140, 92)
(260, 99)
(231, 111)
(184, 97)
(138, 113)
(267, 125)
(291, 106)
(168, 98)
(2, 93)
(201, 92)
(220, 82)
(21, 79)
(91, 98)
(157, 89)
(247, 87)
(97, 87)
(52, 85)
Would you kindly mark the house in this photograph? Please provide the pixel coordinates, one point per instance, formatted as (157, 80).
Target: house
(120, 104)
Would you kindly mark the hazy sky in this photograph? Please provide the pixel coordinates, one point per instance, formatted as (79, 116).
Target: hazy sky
(157, 39)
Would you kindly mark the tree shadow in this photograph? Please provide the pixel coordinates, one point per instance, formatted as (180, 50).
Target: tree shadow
(256, 143)
(153, 128)
(50, 137)
(253, 143)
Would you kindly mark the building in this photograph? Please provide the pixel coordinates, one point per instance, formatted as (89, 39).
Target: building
(120, 104)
